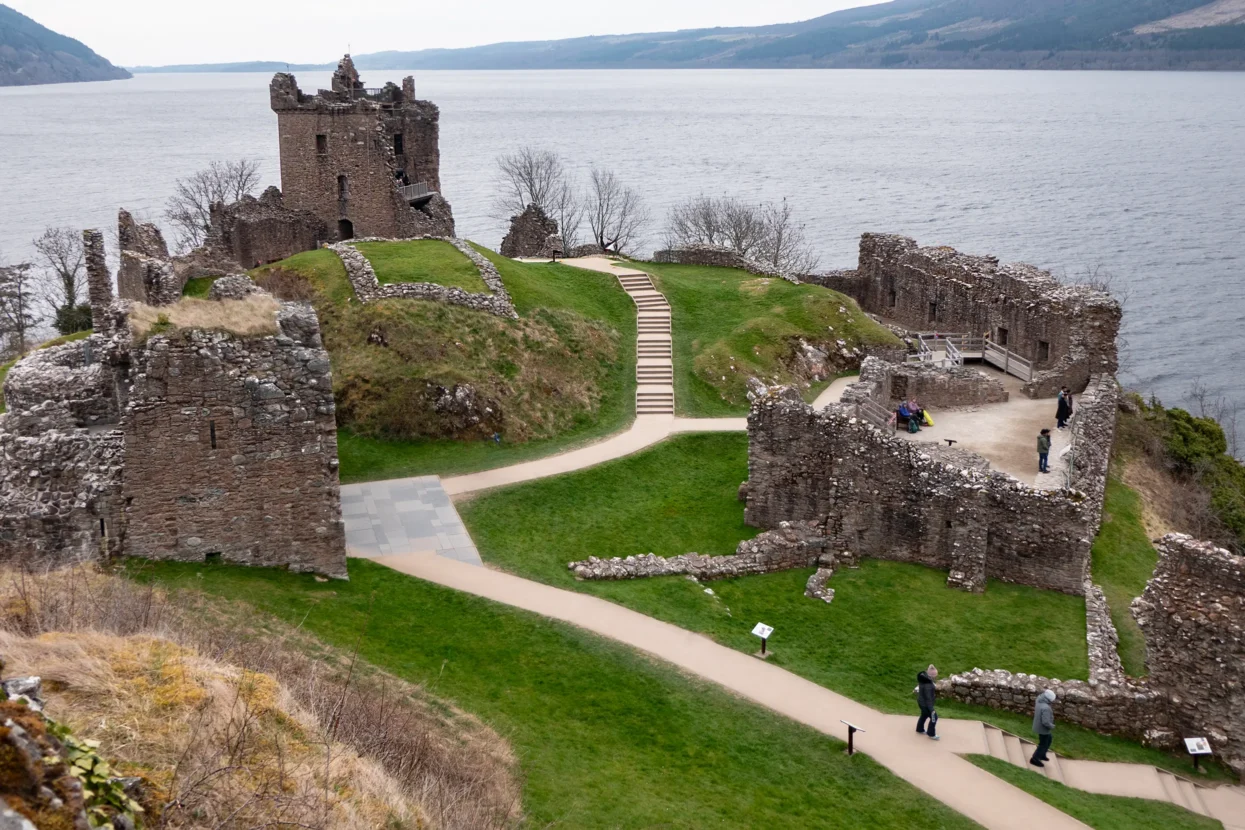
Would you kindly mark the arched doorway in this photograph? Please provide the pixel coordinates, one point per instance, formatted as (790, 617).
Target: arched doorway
(345, 229)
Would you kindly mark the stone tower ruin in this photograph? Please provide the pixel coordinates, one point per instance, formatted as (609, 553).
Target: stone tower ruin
(367, 162)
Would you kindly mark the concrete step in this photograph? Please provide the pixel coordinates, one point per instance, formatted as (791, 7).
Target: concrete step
(1171, 788)
(1193, 795)
(1054, 768)
(994, 740)
(1015, 752)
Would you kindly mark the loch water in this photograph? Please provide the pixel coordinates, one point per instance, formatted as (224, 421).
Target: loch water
(1136, 175)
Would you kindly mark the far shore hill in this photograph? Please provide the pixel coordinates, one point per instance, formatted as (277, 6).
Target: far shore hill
(925, 34)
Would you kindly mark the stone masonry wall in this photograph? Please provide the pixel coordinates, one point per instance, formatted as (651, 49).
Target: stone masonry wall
(369, 289)
(721, 257)
(1068, 332)
(72, 374)
(529, 234)
(147, 274)
(1192, 613)
(254, 232)
(231, 449)
(933, 387)
(884, 497)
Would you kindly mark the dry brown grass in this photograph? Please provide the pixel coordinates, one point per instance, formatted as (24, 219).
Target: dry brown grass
(254, 316)
(241, 722)
(285, 284)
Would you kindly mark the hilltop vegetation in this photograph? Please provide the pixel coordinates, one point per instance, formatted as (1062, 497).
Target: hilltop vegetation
(34, 54)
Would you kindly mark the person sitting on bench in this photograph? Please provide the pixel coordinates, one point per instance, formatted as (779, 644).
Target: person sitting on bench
(904, 415)
(917, 412)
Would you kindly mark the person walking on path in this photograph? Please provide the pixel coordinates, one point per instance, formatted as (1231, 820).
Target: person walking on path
(1043, 446)
(1043, 726)
(926, 695)
(1063, 410)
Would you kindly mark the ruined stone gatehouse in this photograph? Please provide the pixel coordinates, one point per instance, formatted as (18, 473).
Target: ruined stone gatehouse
(367, 162)
(171, 442)
(1067, 332)
(253, 232)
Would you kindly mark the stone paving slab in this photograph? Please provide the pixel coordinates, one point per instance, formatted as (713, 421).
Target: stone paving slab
(407, 515)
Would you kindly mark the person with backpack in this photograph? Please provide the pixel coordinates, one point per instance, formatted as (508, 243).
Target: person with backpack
(1043, 727)
(926, 696)
(1043, 447)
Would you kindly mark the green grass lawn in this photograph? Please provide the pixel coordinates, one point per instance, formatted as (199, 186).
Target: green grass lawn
(423, 260)
(606, 738)
(1123, 561)
(198, 287)
(566, 369)
(888, 619)
(729, 325)
(1102, 812)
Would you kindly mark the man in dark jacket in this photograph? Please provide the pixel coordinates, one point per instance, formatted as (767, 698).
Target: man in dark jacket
(926, 694)
(1043, 726)
(1043, 447)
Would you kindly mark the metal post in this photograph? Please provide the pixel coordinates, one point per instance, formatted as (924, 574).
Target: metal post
(851, 734)
(763, 641)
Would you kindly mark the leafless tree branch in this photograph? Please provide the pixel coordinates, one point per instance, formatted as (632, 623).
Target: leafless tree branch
(188, 210)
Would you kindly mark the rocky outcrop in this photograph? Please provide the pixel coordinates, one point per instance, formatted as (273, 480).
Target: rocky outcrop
(233, 287)
(529, 234)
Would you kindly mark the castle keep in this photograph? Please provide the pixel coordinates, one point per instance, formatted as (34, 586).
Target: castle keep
(174, 442)
(367, 162)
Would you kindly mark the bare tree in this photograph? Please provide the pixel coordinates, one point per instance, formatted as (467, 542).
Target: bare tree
(61, 258)
(538, 177)
(766, 232)
(1217, 408)
(188, 210)
(17, 308)
(616, 213)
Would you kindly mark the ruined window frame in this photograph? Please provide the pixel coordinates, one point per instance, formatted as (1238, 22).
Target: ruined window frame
(322, 144)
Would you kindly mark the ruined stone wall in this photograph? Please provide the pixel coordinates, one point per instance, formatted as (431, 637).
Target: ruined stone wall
(146, 274)
(931, 386)
(529, 234)
(60, 487)
(1193, 616)
(721, 257)
(231, 449)
(74, 374)
(884, 497)
(1068, 332)
(369, 289)
(339, 159)
(254, 232)
(98, 282)
(1093, 435)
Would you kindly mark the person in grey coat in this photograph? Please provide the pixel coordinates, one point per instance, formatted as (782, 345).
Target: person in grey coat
(1043, 726)
(926, 695)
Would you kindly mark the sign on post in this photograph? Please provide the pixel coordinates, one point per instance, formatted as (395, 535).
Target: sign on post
(1197, 748)
(763, 631)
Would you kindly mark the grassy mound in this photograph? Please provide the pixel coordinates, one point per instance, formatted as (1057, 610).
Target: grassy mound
(606, 737)
(563, 372)
(730, 325)
(888, 620)
(423, 260)
(1102, 812)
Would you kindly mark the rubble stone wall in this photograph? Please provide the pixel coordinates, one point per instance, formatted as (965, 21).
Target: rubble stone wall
(931, 386)
(721, 257)
(73, 374)
(888, 498)
(98, 281)
(369, 289)
(231, 449)
(1067, 331)
(254, 232)
(529, 234)
(340, 156)
(1192, 613)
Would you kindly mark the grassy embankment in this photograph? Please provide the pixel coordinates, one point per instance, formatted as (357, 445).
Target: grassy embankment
(730, 325)
(563, 374)
(55, 341)
(1123, 561)
(605, 736)
(888, 620)
(1102, 812)
(422, 260)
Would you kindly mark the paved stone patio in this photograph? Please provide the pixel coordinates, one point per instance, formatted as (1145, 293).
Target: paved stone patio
(409, 515)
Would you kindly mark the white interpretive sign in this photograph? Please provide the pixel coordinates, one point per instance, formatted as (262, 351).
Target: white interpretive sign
(763, 631)
(1197, 746)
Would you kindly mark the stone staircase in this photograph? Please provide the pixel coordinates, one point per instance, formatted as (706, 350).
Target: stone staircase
(1227, 804)
(654, 371)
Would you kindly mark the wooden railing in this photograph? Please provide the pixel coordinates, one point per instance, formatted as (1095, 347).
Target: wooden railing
(1007, 360)
(874, 413)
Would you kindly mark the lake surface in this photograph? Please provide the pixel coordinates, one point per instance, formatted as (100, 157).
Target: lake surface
(1140, 175)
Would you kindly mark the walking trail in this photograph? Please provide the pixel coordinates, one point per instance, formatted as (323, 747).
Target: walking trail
(410, 526)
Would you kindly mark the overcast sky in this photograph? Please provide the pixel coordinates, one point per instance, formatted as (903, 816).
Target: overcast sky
(155, 32)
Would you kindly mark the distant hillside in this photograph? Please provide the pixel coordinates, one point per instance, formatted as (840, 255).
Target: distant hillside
(34, 54)
(978, 34)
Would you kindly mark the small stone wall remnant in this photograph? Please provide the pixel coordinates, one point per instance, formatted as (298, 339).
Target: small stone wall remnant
(369, 289)
(529, 234)
(722, 257)
(1193, 616)
(99, 282)
(1067, 331)
(934, 387)
(234, 287)
(254, 232)
(73, 374)
(147, 274)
